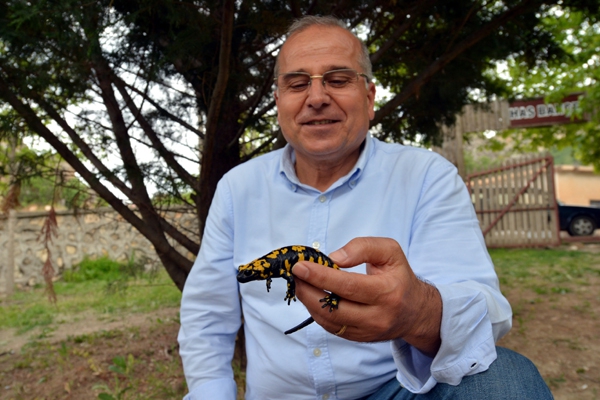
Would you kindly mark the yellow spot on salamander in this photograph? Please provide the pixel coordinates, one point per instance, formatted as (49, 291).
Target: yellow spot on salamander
(273, 254)
(288, 266)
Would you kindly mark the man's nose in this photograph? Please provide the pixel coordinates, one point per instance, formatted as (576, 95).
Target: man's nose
(317, 95)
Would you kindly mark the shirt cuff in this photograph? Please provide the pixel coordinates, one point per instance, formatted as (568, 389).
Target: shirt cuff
(217, 389)
(468, 345)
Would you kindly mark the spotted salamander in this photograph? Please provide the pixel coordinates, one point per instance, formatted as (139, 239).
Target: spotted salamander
(278, 264)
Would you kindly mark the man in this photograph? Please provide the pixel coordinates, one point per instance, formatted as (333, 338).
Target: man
(421, 307)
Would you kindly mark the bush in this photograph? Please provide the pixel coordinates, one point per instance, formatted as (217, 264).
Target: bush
(100, 269)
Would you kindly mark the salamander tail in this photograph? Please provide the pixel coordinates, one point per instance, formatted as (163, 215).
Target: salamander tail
(306, 322)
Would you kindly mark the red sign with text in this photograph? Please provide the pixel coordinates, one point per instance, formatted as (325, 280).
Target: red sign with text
(535, 112)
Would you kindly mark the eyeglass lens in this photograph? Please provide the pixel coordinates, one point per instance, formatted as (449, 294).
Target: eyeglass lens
(333, 80)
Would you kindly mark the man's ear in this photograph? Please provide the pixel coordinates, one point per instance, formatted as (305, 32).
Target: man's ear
(371, 100)
(276, 95)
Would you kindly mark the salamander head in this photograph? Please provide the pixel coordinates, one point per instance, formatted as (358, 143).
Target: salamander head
(247, 275)
(259, 269)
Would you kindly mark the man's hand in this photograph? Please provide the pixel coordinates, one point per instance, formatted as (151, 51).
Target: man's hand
(389, 302)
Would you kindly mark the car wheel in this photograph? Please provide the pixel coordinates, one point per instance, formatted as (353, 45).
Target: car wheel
(581, 226)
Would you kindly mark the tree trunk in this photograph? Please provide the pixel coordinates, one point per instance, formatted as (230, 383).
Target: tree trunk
(217, 158)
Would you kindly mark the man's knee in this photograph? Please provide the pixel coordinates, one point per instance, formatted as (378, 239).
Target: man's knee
(511, 376)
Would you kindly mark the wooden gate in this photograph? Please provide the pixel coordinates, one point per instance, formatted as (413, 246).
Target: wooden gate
(516, 203)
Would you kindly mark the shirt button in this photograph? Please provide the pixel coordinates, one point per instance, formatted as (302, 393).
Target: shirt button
(322, 198)
(316, 245)
(317, 352)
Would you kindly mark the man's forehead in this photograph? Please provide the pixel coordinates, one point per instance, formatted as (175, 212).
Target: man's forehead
(321, 35)
(321, 42)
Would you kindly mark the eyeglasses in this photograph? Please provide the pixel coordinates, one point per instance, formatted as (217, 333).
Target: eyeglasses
(336, 80)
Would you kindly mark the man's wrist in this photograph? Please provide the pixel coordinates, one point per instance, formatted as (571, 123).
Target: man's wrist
(425, 332)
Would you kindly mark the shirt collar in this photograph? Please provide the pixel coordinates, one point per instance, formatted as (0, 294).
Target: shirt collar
(288, 160)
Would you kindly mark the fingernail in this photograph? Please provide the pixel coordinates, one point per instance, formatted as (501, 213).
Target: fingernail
(339, 255)
(300, 271)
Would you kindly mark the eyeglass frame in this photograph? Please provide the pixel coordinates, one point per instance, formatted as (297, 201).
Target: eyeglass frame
(311, 77)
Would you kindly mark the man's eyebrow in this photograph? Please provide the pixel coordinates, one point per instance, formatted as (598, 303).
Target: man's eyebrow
(334, 67)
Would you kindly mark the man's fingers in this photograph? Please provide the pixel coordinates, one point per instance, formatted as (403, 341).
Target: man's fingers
(311, 297)
(380, 254)
(348, 285)
(357, 317)
(376, 251)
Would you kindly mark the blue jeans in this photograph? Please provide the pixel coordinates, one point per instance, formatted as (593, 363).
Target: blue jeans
(511, 376)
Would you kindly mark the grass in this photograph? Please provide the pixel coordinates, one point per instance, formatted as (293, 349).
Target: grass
(543, 275)
(554, 290)
(136, 363)
(544, 270)
(105, 294)
(108, 364)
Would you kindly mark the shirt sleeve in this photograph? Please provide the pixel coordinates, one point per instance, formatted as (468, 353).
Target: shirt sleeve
(210, 309)
(475, 313)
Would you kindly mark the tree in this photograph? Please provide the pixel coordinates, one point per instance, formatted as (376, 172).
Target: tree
(159, 96)
(20, 165)
(578, 71)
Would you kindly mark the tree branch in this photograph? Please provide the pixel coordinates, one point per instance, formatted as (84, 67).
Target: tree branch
(38, 126)
(415, 84)
(152, 227)
(83, 146)
(166, 154)
(163, 110)
(122, 140)
(393, 39)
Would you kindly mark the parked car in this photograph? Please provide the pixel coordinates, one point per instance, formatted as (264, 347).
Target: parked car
(577, 220)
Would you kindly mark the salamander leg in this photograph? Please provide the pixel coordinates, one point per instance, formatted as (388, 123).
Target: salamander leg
(332, 300)
(290, 294)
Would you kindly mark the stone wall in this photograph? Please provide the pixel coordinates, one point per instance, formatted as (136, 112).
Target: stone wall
(90, 233)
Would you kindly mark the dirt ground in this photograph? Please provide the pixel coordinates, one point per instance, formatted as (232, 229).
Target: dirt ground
(78, 360)
(561, 336)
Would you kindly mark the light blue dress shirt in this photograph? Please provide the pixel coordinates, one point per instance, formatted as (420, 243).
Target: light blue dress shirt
(411, 195)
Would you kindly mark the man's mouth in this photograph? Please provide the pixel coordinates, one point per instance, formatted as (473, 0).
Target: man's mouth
(322, 122)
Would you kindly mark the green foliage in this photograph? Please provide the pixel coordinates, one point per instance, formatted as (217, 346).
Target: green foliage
(122, 367)
(100, 269)
(578, 72)
(487, 152)
(564, 156)
(478, 164)
(40, 175)
(117, 275)
(43, 190)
